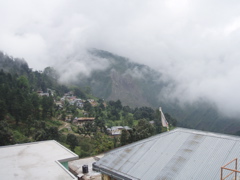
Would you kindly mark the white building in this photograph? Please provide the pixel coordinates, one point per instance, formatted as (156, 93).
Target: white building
(37, 160)
(117, 130)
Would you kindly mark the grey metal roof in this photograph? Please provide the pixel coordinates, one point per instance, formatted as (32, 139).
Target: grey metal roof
(178, 154)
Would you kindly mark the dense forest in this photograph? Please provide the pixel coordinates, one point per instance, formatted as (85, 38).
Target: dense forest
(35, 107)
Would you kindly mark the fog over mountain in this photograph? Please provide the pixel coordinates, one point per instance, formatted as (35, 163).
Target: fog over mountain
(194, 44)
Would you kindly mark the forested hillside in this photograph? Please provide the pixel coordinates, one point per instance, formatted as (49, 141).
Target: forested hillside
(34, 107)
(138, 85)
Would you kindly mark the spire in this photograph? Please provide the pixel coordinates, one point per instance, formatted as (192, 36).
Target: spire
(163, 119)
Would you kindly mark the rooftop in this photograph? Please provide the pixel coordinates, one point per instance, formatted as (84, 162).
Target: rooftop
(38, 160)
(76, 167)
(178, 154)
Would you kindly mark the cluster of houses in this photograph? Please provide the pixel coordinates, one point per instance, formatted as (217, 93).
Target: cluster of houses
(113, 131)
(79, 121)
(69, 97)
(73, 100)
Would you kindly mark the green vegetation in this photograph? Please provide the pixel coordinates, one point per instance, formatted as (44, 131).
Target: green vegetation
(134, 84)
(34, 107)
(138, 85)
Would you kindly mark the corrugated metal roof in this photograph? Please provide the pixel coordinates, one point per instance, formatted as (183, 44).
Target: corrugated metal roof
(178, 154)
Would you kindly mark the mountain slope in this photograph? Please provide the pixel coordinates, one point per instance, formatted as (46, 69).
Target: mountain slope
(138, 85)
(133, 83)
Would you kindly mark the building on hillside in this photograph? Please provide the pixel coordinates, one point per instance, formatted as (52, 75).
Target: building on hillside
(41, 93)
(82, 120)
(37, 160)
(92, 102)
(79, 103)
(70, 93)
(71, 99)
(179, 154)
(51, 91)
(117, 130)
(68, 118)
(152, 122)
(59, 104)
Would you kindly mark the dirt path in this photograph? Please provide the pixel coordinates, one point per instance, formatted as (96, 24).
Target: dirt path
(68, 127)
(65, 125)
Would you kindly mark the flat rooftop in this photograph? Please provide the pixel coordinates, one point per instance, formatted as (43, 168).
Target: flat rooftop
(37, 160)
(76, 167)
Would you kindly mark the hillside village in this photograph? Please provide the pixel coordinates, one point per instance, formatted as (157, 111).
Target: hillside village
(35, 107)
(119, 90)
(90, 138)
(37, 112)
(68, 132)
(70, 99)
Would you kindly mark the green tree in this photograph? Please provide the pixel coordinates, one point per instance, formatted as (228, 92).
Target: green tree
(87, 89)
(23, 83)
(100, 125)
(51, 72)
(87, 106)
(40, 135)
(35, 100)
(79, 93)
(3, 109)
(44, 107)
(87, 129)
(102, 142)
(47, 106)
(53, 133)
(101, 106)
(127, 109)
(5, 135)
(170, 119)
(129, 120)
(143, 130)
(124, 139)
(114, 114)
(100, 101)
(26, 110)
(29, 121)
(16, 111)
(72, 141)
(118, 105)
(144, 113)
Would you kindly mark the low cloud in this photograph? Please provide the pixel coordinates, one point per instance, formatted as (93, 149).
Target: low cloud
(82, 64)
(194, 44)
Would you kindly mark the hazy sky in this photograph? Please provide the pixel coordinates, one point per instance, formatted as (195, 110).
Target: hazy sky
(195, 43)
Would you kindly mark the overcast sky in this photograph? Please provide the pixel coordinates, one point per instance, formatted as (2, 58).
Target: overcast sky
(195, 43)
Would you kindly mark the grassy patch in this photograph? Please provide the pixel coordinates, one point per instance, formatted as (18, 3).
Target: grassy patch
(74, 128)
(19, 137)
(64, 130)
(54, 122)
